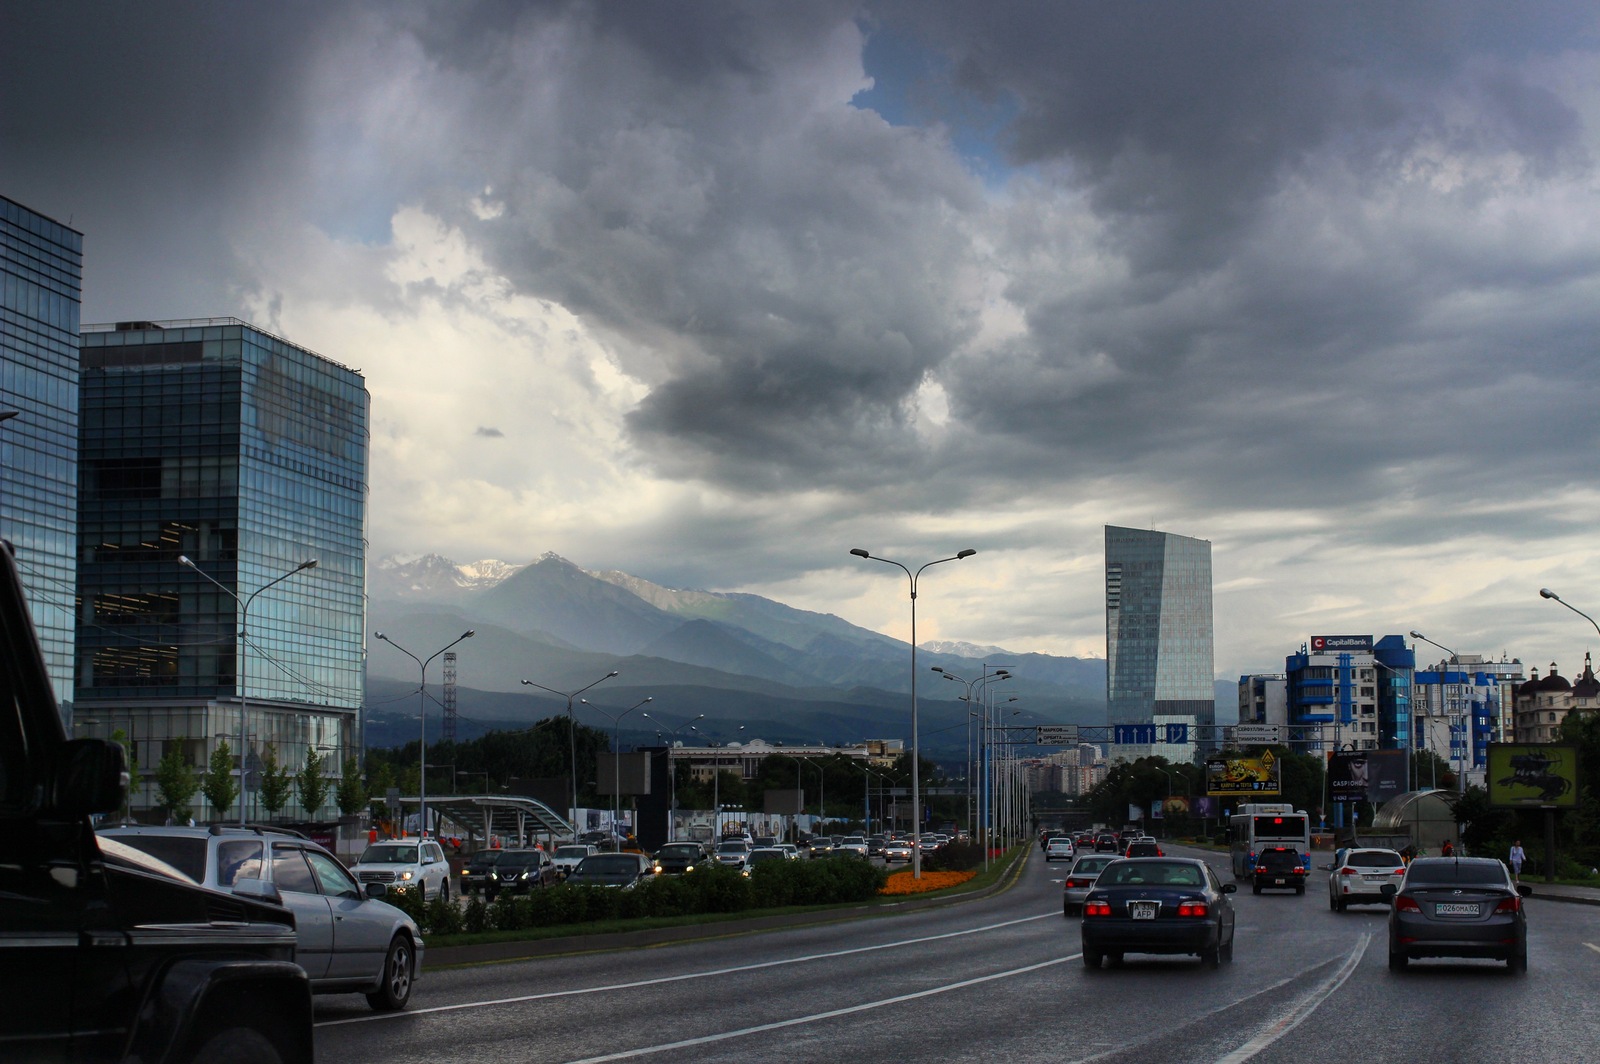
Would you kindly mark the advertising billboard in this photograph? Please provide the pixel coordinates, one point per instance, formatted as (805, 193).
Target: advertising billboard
(1366, 775)
(1533, 775)
(1332, 644)
(1244, 775)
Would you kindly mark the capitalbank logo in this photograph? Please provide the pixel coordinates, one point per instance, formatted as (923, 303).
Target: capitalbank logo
(1323, 643)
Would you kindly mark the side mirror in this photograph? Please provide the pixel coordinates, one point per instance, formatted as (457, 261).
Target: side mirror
(89, 776)
(377, 890)
(1230, 888)
(1524, 890)
(259, 889)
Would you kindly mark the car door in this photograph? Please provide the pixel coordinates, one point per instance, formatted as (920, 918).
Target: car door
(313, 919)
(435, 870)
(1225, 915)
(361, 926)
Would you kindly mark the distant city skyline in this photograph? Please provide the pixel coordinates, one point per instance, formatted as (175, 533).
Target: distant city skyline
(714, 298)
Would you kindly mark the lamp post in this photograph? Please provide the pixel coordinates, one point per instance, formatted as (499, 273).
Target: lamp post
(244, 672)
(616, 755)
(1545, 592)
(672, 777)
(422, 712)
(572, 737)
(716, 785)
(916, 748)
(1444, 704)
(984, 680)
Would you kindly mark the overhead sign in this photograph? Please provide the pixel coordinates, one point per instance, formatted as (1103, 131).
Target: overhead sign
(1367, 776)
(1329, 644)
(1054, 735)
(1244, 775)
(1257, 734)
(1149, 734)
(1533, 776)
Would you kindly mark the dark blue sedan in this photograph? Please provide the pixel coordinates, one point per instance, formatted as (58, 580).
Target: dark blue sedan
(1169, 905)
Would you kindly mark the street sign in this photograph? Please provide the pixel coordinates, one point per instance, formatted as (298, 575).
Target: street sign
(1062, 735)
(1257, 734)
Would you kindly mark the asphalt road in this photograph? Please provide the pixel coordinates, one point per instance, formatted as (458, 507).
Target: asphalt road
(1001, 979)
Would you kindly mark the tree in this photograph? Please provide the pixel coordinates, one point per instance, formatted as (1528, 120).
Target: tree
(276, 782)
(218, 785)
(130, 751)
(380, 777)
(312, 784)
(176, 782)
(351, 795)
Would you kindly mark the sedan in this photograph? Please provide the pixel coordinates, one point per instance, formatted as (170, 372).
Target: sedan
(1080, 880)
(1458, 907)
(475, 874)
(896, 850)
(612, 870)
(678, 858)
(1158, 905)
(1358, 876)
(1059, 847)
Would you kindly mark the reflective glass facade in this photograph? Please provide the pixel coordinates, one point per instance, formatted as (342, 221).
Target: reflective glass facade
(41, 274)
(1159, 659)
(246, 454)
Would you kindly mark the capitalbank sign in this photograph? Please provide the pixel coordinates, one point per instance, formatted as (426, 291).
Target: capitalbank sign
(1332, 644)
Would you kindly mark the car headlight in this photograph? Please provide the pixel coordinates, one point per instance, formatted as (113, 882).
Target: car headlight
(524, 875)
(656, 869)
(404, 876)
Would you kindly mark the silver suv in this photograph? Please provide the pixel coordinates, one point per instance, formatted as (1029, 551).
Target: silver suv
(404, 865)
(347, 940)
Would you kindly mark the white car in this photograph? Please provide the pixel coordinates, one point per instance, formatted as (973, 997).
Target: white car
(1357, 876)
(566, 857)
(404, 865)
(1059, 847)
(733, 852)
(852, 844)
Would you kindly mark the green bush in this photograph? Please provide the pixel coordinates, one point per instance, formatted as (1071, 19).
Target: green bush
(475, 918)
(441, 917)
(954, 857)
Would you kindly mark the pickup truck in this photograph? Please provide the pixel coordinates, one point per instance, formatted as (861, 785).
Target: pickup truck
(106, 954)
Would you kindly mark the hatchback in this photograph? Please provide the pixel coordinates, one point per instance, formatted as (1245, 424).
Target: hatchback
(1358, 876)
(1458, 907)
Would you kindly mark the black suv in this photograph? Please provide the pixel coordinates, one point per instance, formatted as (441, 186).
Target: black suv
(1278, 867)
(106, 953)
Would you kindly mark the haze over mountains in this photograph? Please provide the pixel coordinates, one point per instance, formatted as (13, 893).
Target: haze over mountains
(783, 674)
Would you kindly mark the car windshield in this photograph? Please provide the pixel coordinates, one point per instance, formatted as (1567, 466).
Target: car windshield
(1444, 871)
(389, 855)
(1149, 873)
(572, 851)
(1373, 859)
(608, 865)
(484, 858)
(678, 850)
(517, 858)
(733, 847)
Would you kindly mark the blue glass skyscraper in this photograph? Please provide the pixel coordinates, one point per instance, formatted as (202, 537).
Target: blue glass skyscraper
(219, 442)
(1159, 660)
(41, 280)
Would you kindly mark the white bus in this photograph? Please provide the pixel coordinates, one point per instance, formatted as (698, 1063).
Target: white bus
(1252, 827)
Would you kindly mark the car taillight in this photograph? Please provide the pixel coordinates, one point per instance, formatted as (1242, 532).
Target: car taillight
(1347, 872)
(1097, 908)
(1509, 905)
(1192, 908)
(1399, 871)
(1261, 869)
(1404, 903)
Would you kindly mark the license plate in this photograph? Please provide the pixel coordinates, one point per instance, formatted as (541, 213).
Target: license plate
(1370, 877)
(1143, 910)
(1455, 908)
(1279, 882)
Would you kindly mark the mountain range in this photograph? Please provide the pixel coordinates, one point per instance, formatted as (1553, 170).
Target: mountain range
(779, 673)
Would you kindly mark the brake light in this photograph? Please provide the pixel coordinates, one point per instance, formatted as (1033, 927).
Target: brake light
(1097, 908)
(1347, 872)
(1261, 869)
(1404, 903)
(1192, 908)
(1509, 905)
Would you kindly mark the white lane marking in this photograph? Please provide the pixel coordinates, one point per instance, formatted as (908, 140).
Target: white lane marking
(379, 1016)
(1303, 1008)
(820, 1016)
(1592, 946)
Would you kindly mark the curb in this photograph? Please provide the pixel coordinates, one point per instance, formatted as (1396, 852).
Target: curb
(438, 957)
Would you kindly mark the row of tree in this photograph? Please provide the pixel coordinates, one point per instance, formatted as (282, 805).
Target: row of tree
(177, 782)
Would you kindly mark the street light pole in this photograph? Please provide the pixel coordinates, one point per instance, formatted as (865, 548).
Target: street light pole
(1444, 704)
(672, 777)
(1545, 592)
(243, 662)
(572, 737)
(916, 749)
(616, 756)
(422, 714)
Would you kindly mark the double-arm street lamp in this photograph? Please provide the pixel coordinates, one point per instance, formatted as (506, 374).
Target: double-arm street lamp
(422, 714)
(1444, 704)
(572, 736)
(243, 659)
(616, 755)
(672, 776)
(916, 748)
(1545, 592)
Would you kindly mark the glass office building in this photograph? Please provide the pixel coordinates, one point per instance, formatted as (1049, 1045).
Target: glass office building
(1159, 660)
(41, 281)
(218, 442)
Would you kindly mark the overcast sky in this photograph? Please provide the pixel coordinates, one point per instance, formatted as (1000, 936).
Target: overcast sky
(714, 292)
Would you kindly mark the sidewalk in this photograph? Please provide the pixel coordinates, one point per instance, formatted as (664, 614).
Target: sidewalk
(1543, 891)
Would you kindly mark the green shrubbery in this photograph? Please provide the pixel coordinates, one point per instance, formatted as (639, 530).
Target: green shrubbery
(706, 890)
(954, 857)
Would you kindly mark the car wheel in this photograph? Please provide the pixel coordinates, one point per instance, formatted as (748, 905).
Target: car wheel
(1301, 889)
(1211, 957)
(1343, 905)
(1255, 888)
(237, 1045)
(1091, 959)
(444, 890)
(394, 989)
(1397, 960)
(1114, 958)
(1227, 950)
(1517, 963)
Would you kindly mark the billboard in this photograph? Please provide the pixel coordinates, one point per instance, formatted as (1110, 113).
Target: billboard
(1332, 644)
(1366, 776)
(1244, 775)
(1533, 775)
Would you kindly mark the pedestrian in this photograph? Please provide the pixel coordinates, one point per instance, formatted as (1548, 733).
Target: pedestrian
(1447, 850)
(1517, 857)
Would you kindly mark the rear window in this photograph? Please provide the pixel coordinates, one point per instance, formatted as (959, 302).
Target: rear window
(1373, 859)
(187, 855)
(1154, 873)
(608, 865)
(1279, 858)
(1448, 872)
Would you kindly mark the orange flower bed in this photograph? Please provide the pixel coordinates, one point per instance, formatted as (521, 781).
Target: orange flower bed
(902, 883)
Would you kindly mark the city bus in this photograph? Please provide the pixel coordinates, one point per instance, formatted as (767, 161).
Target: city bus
(1253, 826)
